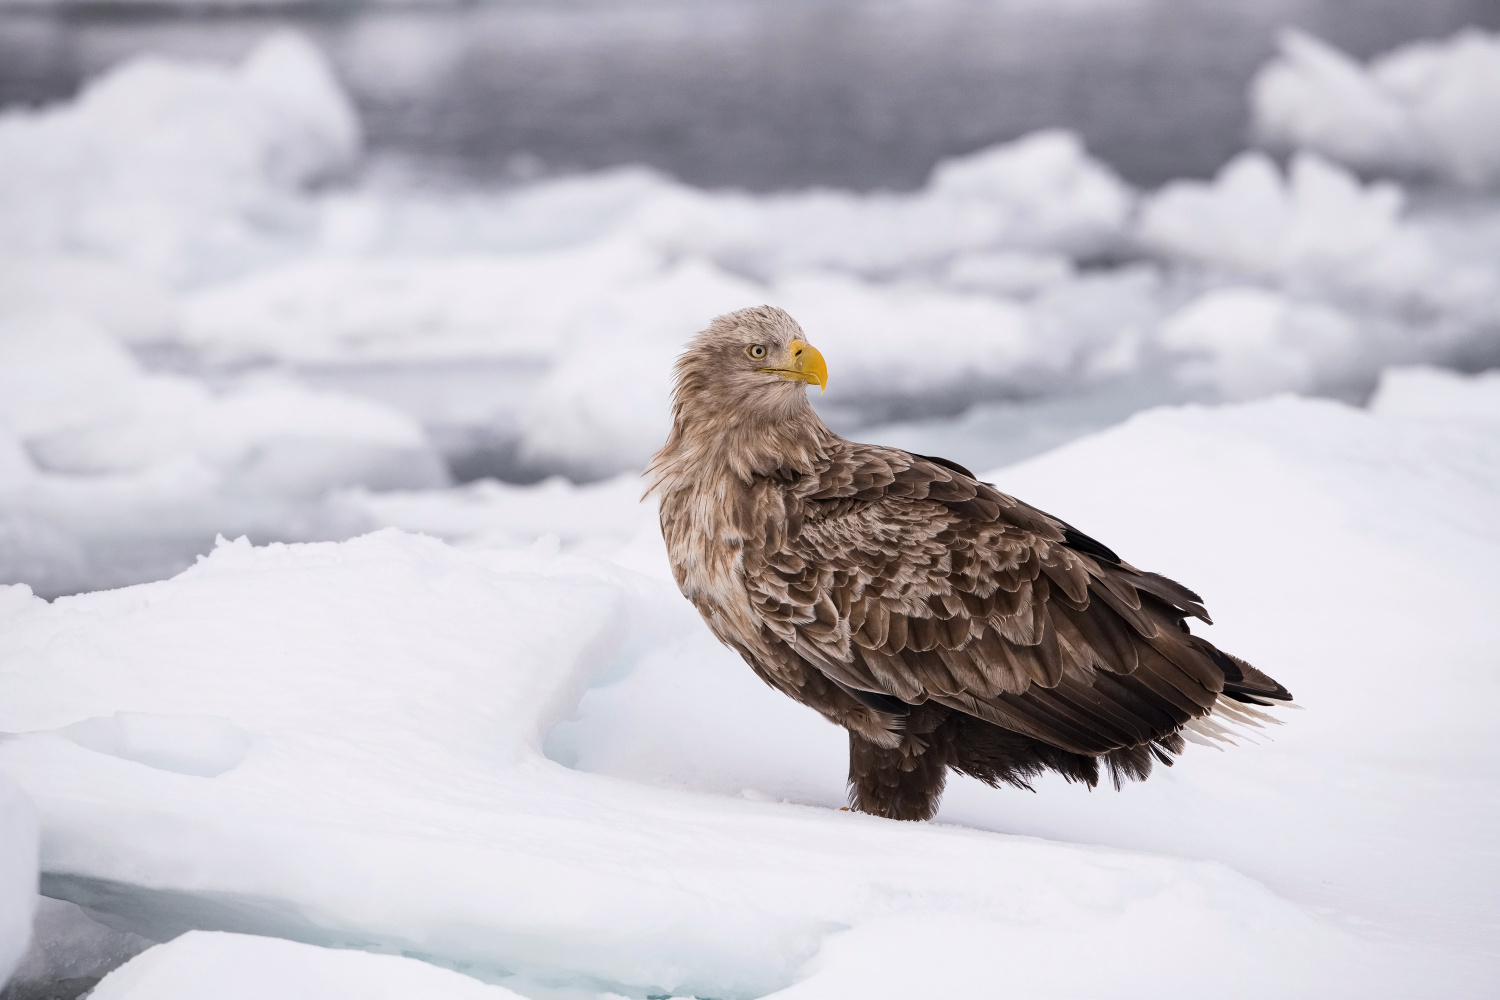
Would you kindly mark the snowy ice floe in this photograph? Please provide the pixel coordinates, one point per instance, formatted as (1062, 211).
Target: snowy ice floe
(79, 405)
(383, 705)
(589, 337)
(598, 518)
(107, 469)
(1438, 394)
(1428, 108)
(583, 340)
(1250, 342)
(245, 967)
(184, 170)
(514, 307)
(1317, 229)
(124, 302)
(310, 337)
(403, 278)
(1041, 193)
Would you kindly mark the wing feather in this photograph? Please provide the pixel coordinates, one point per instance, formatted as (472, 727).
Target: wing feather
(911, 580)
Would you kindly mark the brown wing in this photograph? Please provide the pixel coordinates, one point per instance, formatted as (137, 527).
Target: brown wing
(904, 576)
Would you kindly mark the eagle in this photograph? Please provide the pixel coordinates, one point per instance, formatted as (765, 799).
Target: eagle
(943, 623)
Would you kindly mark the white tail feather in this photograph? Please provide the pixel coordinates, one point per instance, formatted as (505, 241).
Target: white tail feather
(1229, 720)
(1208, 726)
(1192, 736)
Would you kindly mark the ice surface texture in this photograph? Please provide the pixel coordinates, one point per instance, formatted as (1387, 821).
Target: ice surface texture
(382, 706)
(1428, 108)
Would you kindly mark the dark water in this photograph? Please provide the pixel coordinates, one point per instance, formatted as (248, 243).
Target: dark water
(758, 93)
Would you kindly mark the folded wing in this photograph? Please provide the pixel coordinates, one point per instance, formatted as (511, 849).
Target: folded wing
(905, 578)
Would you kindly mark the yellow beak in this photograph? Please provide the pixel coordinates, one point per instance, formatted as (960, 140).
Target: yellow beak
(807, 365)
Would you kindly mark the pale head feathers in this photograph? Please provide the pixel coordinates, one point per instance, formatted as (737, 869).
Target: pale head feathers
(730, 416)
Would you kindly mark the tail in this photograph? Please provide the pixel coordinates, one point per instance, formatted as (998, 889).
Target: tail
(1238, 711)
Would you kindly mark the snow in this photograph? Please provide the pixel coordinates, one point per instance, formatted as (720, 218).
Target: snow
(1040, 193)
(343, 743)
(18, 875)
(599, 518)
(205, 219)
(103, 463)
(206, 746)
(1247, 342)
(1316, 226)
(474, 726)
(598, 281)
(1428, 108)
(244, 967)
(1437, 394)
(1363, 805)
(180, 170)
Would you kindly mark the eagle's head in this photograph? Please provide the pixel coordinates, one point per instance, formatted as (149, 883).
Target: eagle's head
(752, 360)
(740, 397)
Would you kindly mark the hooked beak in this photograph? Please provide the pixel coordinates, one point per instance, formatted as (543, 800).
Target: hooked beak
(807, 366)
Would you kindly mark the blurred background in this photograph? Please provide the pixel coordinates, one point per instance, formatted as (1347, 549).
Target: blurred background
(302, 270)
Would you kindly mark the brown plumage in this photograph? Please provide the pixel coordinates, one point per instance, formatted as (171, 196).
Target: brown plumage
(943, 623)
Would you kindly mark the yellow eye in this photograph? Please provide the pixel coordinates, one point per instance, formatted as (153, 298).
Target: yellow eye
(756, 352)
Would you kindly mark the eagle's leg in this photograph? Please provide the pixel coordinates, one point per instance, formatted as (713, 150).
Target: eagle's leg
(905, 781)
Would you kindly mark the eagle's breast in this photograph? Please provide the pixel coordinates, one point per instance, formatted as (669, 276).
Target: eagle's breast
(706, 525)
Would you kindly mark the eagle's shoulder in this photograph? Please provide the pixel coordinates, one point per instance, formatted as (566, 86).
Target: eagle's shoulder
(854, 476)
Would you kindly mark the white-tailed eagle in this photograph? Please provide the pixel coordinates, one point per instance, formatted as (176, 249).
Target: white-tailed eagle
(941, 622)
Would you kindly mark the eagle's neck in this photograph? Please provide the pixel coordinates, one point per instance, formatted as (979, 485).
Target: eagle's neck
(720, 445)
(718, 479)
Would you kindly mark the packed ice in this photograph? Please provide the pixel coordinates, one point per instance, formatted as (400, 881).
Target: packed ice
(538, 769)
(1425, 109)
(211, 221)
(434, 720)
(247, 967)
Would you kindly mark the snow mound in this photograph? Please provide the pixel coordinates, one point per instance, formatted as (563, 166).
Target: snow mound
(1251, 342)
(515, 307)
(98, 455)
(1438, 394)
(245, 967)
(1317, 228)
(396, 693)
(126, 303)
(183, 170)
(81, 405)
(1430, 108)
(1040, 193)
(597, 518)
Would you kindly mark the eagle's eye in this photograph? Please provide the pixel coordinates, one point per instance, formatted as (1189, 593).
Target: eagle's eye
(756, 351)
